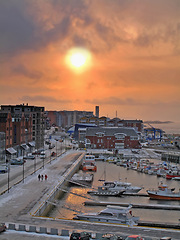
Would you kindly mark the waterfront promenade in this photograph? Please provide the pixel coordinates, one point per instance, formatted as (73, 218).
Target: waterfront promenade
(19, 205)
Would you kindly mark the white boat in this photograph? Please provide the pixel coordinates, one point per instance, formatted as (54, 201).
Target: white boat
(118, 186)
(176, 178)
(106, 191)
(111, 214)
(164, 193)
(82, 178)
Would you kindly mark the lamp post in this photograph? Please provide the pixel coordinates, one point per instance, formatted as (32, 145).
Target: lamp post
(8, 174)
(35, 163)
(23, 166)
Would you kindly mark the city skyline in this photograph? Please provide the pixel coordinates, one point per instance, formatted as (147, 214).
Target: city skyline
(123, 56)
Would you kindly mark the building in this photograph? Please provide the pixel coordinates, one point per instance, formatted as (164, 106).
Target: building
(6, 126)
(115, 122)
(171, 157)
(112, 138)
(2, 147)
(28, 122)
(66, 119)
(97, 111)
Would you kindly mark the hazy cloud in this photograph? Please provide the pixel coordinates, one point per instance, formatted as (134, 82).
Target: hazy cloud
(22, 70)
(43, 99)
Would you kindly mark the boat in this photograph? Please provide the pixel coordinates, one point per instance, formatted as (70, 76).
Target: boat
(121, 186)
(111, 214)
(105, 191)
(176, 178)
(164, 193)
(172, 174)
(89, 163)
(82, 178)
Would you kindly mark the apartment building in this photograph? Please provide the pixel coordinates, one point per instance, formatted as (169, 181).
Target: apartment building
(65, 118)
(2, 147)
(27, 124)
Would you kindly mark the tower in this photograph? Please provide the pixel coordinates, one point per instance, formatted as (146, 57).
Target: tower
(97, 111)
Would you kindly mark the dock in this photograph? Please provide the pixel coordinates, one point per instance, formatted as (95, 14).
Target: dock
(135, 205)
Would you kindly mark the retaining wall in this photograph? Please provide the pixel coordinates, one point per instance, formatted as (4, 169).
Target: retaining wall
(56, 193)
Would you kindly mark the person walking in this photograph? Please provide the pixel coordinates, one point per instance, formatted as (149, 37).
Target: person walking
(42, 177)
(45, 176)
(39, 177)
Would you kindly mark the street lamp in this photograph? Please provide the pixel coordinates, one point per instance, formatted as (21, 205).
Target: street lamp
(8, 174)
(35, 163)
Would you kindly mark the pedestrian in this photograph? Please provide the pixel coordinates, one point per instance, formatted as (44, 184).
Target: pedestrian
(42, 177)
(39, 177)
(45, 176)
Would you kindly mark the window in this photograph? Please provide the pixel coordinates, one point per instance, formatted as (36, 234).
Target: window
(100, 134)
(120, 136)
(133, 137)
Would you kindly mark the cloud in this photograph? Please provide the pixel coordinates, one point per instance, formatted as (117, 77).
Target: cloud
(35, 24)
(22, 70)
(114, 101)
(43, 99)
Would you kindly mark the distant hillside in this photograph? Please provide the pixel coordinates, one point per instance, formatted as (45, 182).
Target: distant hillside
(158, 122)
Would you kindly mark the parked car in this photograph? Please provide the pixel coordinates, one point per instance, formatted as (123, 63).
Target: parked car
(80, 236)
(29, 157)
(43, 155)
(134, 237)
(53, 154)
(165, 238)
(2, 227)
(3, 169)
(17, 161)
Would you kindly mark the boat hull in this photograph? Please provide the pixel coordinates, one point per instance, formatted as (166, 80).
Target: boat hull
(90, 218)
(156, 196)
(106, 193)
(170, 176)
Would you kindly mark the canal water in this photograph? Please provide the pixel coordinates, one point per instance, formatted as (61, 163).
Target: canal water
(70, 203)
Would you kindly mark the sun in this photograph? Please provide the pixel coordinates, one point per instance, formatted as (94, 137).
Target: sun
(78, 59)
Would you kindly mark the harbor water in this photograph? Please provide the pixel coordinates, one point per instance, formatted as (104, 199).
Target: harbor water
(70, 204)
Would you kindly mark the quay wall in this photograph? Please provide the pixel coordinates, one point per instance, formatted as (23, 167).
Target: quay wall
(56, 193)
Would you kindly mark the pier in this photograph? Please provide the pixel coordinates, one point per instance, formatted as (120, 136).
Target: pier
(135, 205)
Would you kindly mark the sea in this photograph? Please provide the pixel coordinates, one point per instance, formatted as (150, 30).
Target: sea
(73, 201)
(169, 128)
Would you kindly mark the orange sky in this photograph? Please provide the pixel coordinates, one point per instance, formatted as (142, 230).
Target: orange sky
(134, 47)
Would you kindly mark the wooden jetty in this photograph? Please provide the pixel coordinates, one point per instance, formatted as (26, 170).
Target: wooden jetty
(134, 205)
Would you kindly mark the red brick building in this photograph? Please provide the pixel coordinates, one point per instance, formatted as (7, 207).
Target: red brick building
(112, 138)
(6, 126)
(17, 128)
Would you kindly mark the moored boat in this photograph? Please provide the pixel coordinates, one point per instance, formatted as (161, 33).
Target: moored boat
(105, 191)
(111, 214)
(89, 163)
(82, 178)
(164, 193)
(119, 186)
(173, 175)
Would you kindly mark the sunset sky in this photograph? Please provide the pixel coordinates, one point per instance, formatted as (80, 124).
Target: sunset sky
(123, 55)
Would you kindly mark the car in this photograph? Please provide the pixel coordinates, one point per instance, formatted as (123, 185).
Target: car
(53, 154)
(17, 161)
(43, 155)
(134, 237)
(3, 169)
(29, 157)
(2, 227)
(80, 236)
(165, 238)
